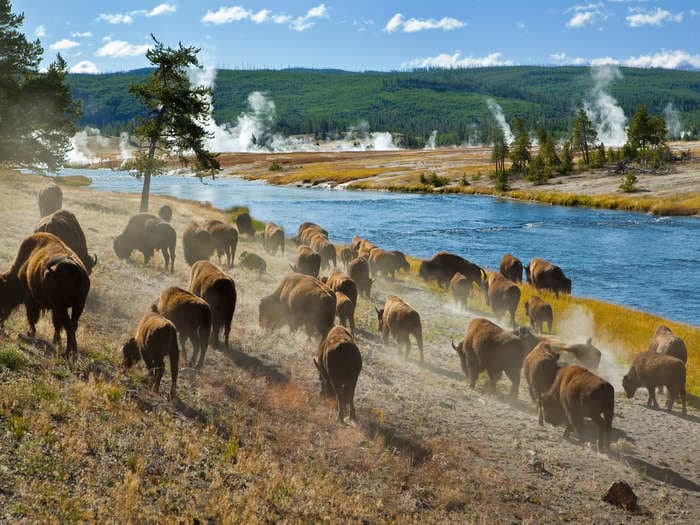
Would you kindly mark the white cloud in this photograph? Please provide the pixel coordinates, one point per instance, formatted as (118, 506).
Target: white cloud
(237, 13)
(116, 18)
(558, 57)
(586, 15)
(582, 19)
(120, 48)
(604, 61)
(162, 9)
(64, 44)
(261, 16)
(78, 34)
(413, 25)
(665, 59)
(281, 19)
(302, 23)
(447, 61)
(40, 31)
(85, 67)
(226, 15)
(652, 18)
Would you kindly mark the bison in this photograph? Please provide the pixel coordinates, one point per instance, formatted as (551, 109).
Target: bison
(358, 270)
(308, 230)
(387, 263)
(155, 338)
(488, 347)
(339, 363)
(321, 245)
(345, 309)
(539, 313)
(401, 321)
(511, 268)
(253, 262)
(544, 275)
(339, 282)
(165, 213)
(307, 262)
(577, 393)
(665, 342)
(146, 233)
(219, 291)
(197, 244)
(273, 238)
(461, 288)
(192, 318)
(50, 199)
(443, 265)
(540, 369)
(502, 295)
(245, 225)
(46, 275)
(224, 237)
(347, 254)
(299, 301)
(64, 225)
(584, 354)
(650, 369)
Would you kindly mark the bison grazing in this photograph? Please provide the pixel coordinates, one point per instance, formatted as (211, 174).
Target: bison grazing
(339, 363)
(358, 269)
(191, 316)
(307, 262)
(578, 393)
(665, 342)
(511, 268)
(165, 213)
(387, 263)
(540, 369)
(66, 227)
(46, 275)
(345, 309)
(245, 225)
(219, 291)
(443, 265)
(299, 301)
(146, 233)
(651, 370)
(253, 262)
(224, 238)
(347, 254)
(273, 238)
(488, 347)
(50, 199)
(502, 295)
(539, 313)
(155, 338)
(401, 321)
(544, 275)
(197, 244)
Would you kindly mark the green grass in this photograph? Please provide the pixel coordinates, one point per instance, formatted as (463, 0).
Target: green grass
(73, 180)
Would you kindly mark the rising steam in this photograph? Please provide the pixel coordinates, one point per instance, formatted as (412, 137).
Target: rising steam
(673, 122)
(497, 113)
(89, 146)
(430, 143)
(603, 110)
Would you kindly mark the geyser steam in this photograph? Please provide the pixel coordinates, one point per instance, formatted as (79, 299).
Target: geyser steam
(497, 113)
(603, 110)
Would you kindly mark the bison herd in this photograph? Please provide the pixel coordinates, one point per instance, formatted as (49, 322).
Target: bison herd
(52, 269)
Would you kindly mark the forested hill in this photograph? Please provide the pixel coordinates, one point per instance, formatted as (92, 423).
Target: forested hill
(411, 103)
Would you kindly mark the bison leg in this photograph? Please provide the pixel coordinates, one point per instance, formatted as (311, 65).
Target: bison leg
(350, 398)
(672, 392)
(57, 327)
(227, 332)
(33, 313)
(183, 340)
(540, 413)
(575, 421)
(514, 376)
(158, 376)
(203, 341)
(71, 343)
(652, 397)
(602, 433)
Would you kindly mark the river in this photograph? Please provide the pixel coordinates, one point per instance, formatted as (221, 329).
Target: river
(636, 260)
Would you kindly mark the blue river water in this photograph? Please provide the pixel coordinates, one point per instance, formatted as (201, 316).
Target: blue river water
(640, 261)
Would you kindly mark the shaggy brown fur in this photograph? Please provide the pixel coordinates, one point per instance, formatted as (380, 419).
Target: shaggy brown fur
(64, 225)
(347, 254)
(146, 233)
(224, 238)
(544, 275)
(245, 225)
(665, 342)
(401, 321)
(460, 288)
(358, 270)
(197, 244)
(443, 265)
(165, 213)
(502, 295)
(273, 238)
(539, 313)
(307, 262)
(651, 370)
(321, 245)
(540, 369)
(253, 262)
(339, 282)
(511, 268)
(50, 199)
(219, 291)
(345, 309)
(387, 263)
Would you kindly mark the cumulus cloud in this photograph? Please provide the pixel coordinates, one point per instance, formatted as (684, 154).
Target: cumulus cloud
(120, 48)
(162, 9)
(261, 16)
(226, 15)
(78, 34)
(64, 44)
(237, 13)
(115, 18)
(659, 17)
(40, 32)
(586, 15)
(85, 66)
(665, 59)
(455, 60)
(302, 23)
(413, 25)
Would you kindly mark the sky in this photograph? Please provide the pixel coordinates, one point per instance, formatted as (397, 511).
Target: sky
(107, 36)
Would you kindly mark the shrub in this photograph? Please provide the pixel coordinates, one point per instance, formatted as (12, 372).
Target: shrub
(501, 181)
(628, 183)
(275, 166)
(433, 180)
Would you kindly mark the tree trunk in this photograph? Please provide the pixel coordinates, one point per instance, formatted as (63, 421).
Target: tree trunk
(149, 165)
(145, 191)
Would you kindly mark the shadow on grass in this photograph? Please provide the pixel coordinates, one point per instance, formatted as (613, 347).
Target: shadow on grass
(254, 365)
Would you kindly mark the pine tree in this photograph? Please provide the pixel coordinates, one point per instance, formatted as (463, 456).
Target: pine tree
(520, 148)
(500, 150)
(584, 135)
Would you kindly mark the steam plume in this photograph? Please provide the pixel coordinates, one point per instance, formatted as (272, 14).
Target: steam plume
(497, 113)
(603, 110)
(430, 143)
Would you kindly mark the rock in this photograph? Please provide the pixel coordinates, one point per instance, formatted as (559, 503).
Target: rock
(621, 494)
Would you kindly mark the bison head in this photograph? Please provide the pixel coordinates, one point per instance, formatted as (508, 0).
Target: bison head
(130, 352)
(270, 313)
(121, 247)
(630, 386)
(11, 295)
(552, 409)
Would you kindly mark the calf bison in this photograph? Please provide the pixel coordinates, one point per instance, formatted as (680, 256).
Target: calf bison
(544, 275)
(401, 321)
(502, 295)
(358, 270)
(488, 347)
(66, 227)
(253, 262)
(155, 338)
(197, 244)
(224, 238)
(539, 313)
(511, 268)
(146, 233)
(165, 213)
(540, 369)
(307, 262)
(443, 265)
(345, 309)
(578, 393)
(50, 199)
(299, 301)
(46, 275)
(651, 370)
(339, 363)
(245, 225)
(273, 238)
(387, 263)
(665, 342)
(219, 291)
(461, 288)
(192, 318)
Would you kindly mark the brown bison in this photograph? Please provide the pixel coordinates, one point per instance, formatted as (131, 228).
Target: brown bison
(46, 275)
(50, 199)
(321, 245)
(155, 338)
(584, 354)
(347, 254)
(192, 318)
(339, 363)
(355, 243)
(253, 262)
(224, 237)
(665, 342)
(66, 227)
(273, 238)
(488, 347)
(401, 321)
(539, 313)
(197, 244)
(651, 370)
(146, 233)
(578, 393)
(307, 262)
(308, 230)
(540, 369)
(165, 213)
(443, 265)
(511, 268)
(345, 310)
(365, 248)
(299, 301)
(461, 288)
(219, 291)
(544, 275)
(339, 282)
(358, 269)
(163, 238)
(387, 263)
(502, 295)
(245, 225)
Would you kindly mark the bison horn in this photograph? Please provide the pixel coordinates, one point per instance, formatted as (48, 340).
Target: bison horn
(94, 259)
(454, 346)
(376, 309)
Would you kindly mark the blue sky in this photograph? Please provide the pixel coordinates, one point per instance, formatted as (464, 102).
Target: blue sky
(102, 36)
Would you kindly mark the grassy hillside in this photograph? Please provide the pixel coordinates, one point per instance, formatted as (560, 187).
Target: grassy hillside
(411, 103)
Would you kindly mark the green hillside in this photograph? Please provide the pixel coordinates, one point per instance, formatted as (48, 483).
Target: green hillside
(411, 103)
